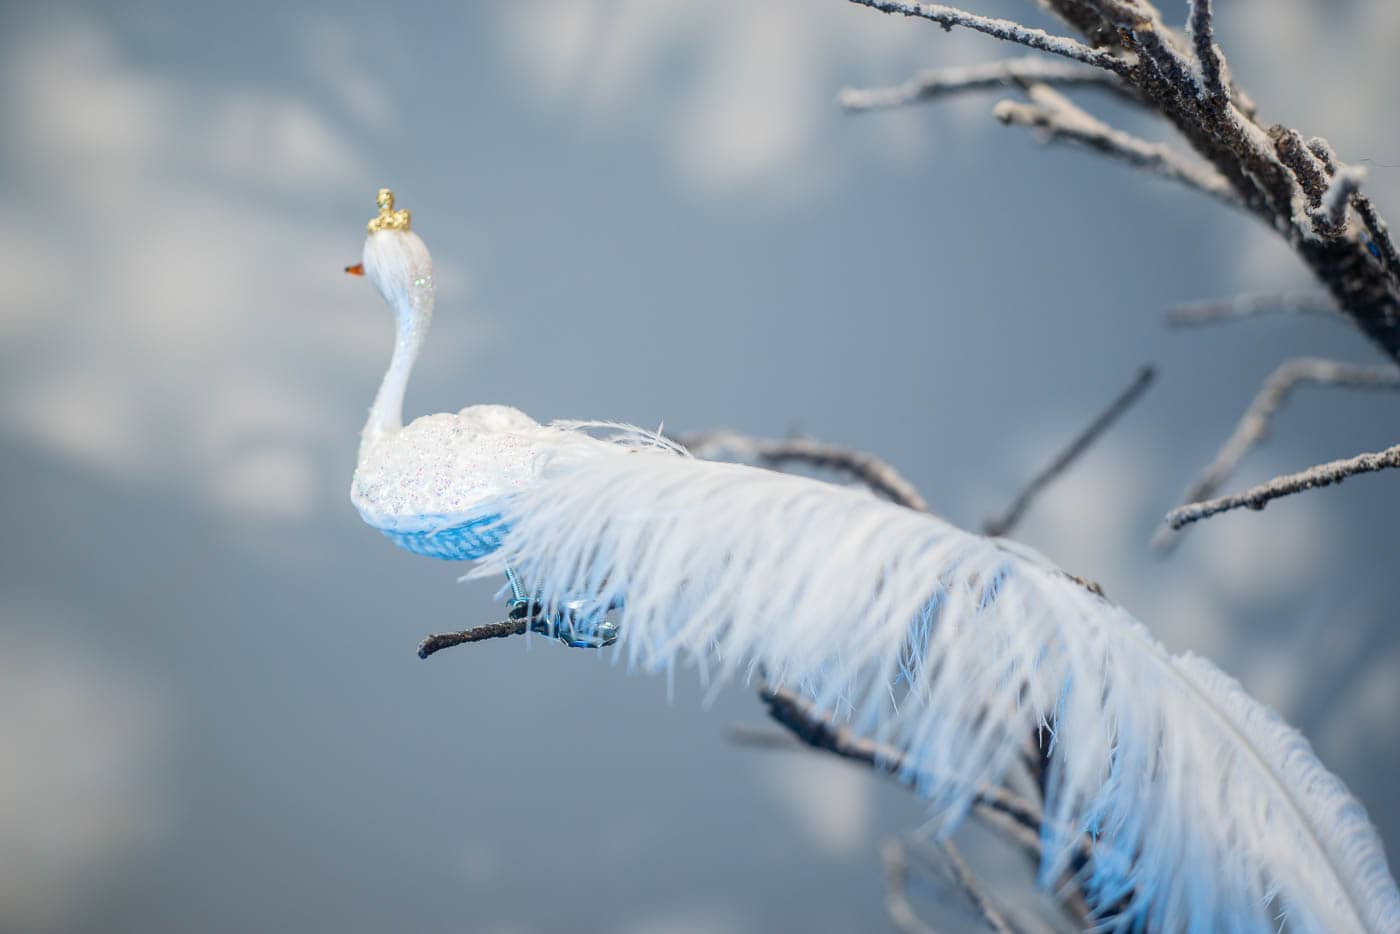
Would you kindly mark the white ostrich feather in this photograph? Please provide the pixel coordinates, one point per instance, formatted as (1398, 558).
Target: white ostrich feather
(1207, 811)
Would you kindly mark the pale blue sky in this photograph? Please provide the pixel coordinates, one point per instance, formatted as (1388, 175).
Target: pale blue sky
(214, 716)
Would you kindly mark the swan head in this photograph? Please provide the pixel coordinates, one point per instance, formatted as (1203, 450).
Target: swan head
(396, 260)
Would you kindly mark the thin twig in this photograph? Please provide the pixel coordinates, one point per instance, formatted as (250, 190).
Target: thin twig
(1346, 184)
(870, 470)
(1381, 246)
(1312, 177)
(1003, 524)
(939, 82)
(763, 738)
(948, 17)
(446, 640)
(1252, 305)
(1003, 810)
(972, 887)
(897, 905)
(819, 732)
(1200, 27)
(1059, 120)
(1258, 497)
(1253, 426)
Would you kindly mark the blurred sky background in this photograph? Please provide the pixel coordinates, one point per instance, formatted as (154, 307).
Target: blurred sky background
(211, 714)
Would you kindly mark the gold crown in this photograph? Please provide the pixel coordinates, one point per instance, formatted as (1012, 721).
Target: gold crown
(388, 218)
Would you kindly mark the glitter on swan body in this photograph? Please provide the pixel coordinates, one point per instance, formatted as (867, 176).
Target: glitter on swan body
(435, 486)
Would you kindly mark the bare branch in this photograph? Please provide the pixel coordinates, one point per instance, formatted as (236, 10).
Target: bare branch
(819, 732)
(1003, 524)
(972, 887)
(1258, 497)
(1059, 120)
(897, 906)
(1252, 305)
(948, 17)
(1200, 27)
(1000, 808)
(763, 738)
(870, 470)
(939, 82)
(1253, 426)
(446, 640)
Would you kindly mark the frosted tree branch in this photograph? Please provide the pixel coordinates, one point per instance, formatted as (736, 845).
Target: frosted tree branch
(1200, 27)
(1258, 497)
(1058, 120)
(1003, 524)
(939, 82)
(1253, 426)
(948, 17)
(1268, 170)
(868, 469)
(1252, 305)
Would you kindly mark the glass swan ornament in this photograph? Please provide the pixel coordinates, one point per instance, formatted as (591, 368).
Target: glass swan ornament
(1206, 810)
(430, 485)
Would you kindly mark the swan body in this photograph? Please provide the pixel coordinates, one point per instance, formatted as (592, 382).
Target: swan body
(432, 486)
(1206, 812)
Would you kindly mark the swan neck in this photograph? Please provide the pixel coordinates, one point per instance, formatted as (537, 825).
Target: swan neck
(386, 414)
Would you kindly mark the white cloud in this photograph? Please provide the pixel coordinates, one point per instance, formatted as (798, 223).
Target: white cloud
(108, 124)
(179, 274)
(273, 483)
(266, 139)
(339, 64)
(1278, 554)
(36, 282)
(1086, 519)
(749, 115)
(742, 93)
(1364, 713)
(832, 802)
(78, 414)
(76, 792)
(75, 100)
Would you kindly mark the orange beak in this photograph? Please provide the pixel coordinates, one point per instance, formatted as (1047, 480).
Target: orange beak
(356, 270)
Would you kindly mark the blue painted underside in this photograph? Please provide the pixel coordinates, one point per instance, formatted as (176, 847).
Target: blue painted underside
(475, 538)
